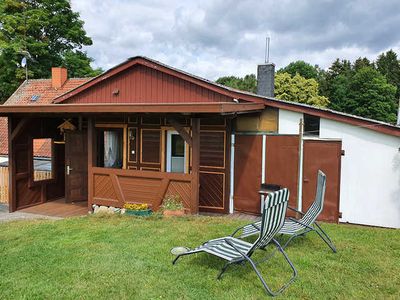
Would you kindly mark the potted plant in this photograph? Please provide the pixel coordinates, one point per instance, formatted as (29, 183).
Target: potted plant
(172, 206)
(137, 209)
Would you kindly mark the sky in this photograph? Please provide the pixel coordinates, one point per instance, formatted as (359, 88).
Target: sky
(219, 38)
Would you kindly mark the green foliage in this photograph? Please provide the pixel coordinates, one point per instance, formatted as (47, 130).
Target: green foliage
(371, 96)
(298, 89)
(247, 83)
(49, 31)
(172, 202)
(302, 68)
(389, 66)
(361, 88)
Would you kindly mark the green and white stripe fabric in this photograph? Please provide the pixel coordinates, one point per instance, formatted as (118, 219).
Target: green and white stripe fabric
(272, 220)
(290, 227)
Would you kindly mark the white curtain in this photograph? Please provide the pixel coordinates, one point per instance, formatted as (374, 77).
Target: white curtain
(112, 149)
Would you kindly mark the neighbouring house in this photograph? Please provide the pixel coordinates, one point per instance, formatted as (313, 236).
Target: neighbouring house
(143, 130)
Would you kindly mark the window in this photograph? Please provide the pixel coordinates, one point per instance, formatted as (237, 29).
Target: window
(42, 156)
(311, 125)
(110, 147)
(177, 145)
(175, 158)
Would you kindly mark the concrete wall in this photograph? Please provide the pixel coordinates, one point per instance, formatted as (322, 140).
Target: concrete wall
(370, 177)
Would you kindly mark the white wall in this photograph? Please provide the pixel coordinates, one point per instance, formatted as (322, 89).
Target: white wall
(370, 175)
(370, 178)
(289, 122)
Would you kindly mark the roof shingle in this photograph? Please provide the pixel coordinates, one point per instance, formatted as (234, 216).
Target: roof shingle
(42, 90)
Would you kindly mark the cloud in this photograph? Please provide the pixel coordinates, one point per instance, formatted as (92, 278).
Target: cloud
(214, 38)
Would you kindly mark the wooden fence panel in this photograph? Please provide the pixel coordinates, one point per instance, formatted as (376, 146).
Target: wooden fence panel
(4, 184)
(39, 175)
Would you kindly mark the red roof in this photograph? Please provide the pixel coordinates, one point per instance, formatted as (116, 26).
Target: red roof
(42, 148)
(40, 91)
(34, 92)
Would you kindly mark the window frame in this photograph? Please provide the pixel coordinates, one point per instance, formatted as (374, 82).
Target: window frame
(311, 133)
(124, 128)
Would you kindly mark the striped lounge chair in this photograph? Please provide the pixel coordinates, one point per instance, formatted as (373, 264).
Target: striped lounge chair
(236, 251)
(294, 227)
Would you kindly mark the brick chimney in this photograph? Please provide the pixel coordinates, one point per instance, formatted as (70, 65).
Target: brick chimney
(58, 77)
(266, 79)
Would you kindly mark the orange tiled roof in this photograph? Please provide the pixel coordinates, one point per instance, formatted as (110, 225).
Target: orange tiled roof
(43, 90)
(45, 93)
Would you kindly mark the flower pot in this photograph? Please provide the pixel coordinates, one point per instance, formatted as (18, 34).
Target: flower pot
(143, 213)
(174, 213)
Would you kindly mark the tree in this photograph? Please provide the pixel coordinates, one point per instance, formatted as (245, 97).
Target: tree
(247, 83)
(298, 89)
(49, 31)
(302, 68)
(389, 66)
(362, 63)
(371, 96)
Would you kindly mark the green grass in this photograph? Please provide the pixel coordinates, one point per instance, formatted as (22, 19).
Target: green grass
(129, 258)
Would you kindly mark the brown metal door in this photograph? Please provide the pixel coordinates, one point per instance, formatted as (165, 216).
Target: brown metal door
(282, 163)
(325, 156)
(76, 176)
(248, 157)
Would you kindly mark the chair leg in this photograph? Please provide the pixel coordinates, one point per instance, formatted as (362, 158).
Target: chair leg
(266, 287)
(324, 236)
(223, 270)
(176, 258)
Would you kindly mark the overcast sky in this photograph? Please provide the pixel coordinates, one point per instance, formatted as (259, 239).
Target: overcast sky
(217, 38)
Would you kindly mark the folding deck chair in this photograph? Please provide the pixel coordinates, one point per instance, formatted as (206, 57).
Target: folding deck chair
(236, 251)
(294, 227)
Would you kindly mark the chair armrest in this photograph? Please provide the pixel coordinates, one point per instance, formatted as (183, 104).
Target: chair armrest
(295, 210)
(241, 227)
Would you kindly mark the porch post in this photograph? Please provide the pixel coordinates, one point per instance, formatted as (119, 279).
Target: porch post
(91, 147)
(195, 165)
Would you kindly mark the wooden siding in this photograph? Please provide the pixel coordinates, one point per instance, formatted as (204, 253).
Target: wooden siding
(115, 187)
(141, 84)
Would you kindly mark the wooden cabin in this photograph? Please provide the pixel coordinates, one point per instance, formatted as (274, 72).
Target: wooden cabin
(144, 130)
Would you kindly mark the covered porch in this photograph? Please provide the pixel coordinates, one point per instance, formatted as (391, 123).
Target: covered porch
(156, 150)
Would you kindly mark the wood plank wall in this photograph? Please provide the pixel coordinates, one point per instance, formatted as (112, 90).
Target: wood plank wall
(146, 142)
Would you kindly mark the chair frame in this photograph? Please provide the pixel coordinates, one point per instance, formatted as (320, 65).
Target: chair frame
(313, 226)
(246, 257)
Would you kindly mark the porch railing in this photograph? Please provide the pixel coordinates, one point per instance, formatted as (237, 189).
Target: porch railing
(114, 187)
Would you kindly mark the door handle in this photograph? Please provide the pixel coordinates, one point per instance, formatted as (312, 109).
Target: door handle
(69, 169)
(306, 180)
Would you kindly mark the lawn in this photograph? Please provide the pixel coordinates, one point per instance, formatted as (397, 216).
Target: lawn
(129, 258)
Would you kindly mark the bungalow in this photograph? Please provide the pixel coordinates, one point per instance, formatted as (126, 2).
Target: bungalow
(144, 130)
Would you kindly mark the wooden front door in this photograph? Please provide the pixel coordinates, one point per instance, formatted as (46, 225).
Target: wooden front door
(76, 166)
